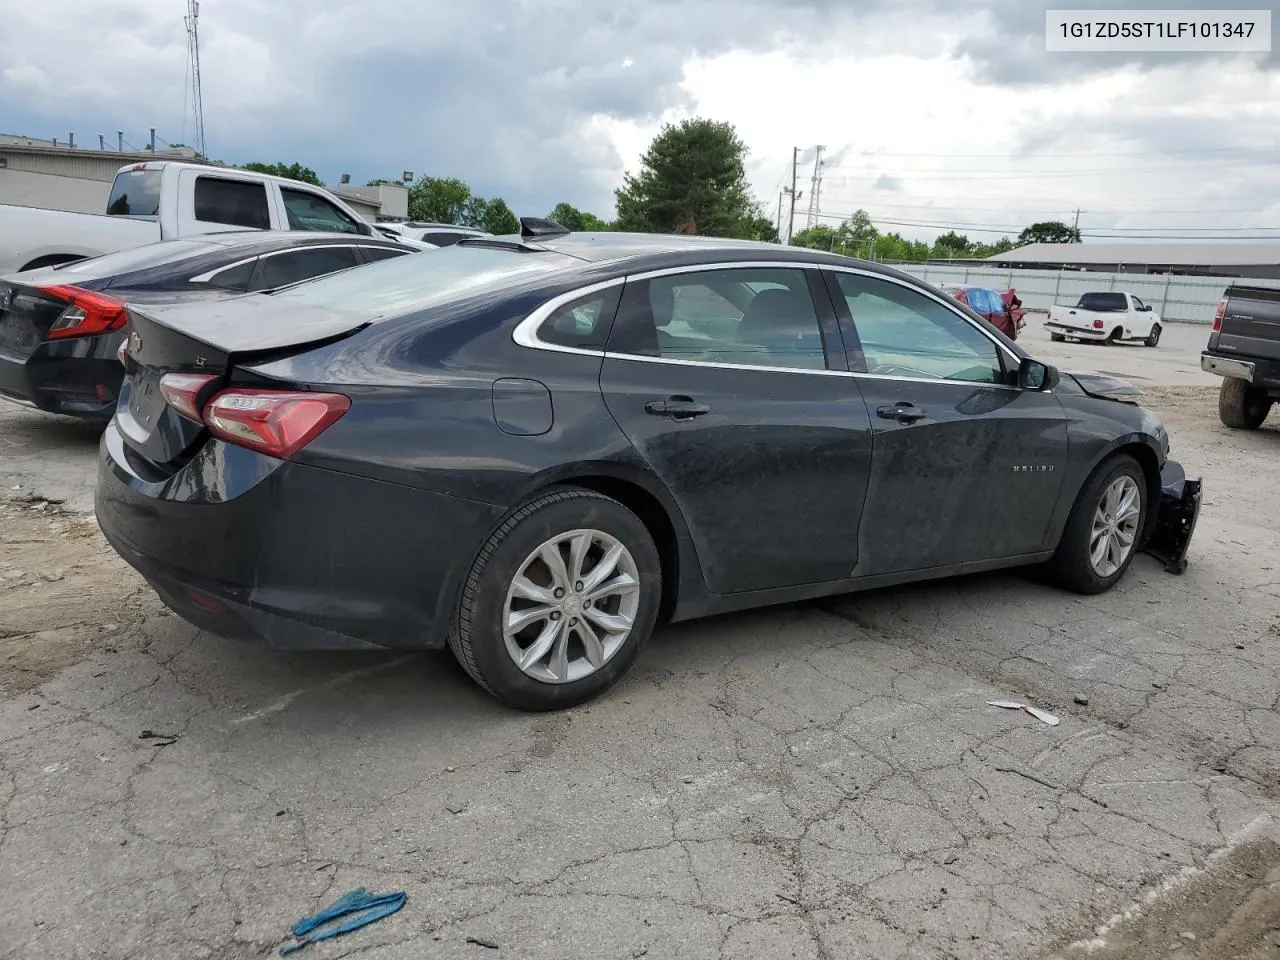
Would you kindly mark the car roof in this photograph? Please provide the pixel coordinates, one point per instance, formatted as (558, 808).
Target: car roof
(613, 246)
(285, 238)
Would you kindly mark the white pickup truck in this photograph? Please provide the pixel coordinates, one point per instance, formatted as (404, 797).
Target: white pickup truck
(1110, 317)
(164, 200)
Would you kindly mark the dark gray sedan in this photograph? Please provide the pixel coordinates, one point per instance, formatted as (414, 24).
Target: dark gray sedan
(535, 448)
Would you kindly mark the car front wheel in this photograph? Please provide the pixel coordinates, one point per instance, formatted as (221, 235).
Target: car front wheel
(559, 602)
(1153, 338)
(1104, 528)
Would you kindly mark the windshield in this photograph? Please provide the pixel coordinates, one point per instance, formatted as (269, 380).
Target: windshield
(421, 279)
(135, 258)
(135, 193)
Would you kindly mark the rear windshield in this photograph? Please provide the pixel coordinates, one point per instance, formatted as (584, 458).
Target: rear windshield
(135, 258)
(135, 193)
(1103, 302)
(422, 279)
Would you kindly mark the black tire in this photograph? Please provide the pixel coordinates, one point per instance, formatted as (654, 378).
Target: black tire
(476, 638)
(1241, 406)
(1153, 338)
(1114, 337)
(1070, 567)
(1057, 337)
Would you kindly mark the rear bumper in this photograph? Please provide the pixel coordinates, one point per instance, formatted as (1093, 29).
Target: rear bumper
(1259, 372)
(297, 557)
(1176, 516)
(1082, 333)
(78, 376)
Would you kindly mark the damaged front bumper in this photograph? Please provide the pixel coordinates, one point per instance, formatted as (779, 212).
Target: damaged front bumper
(1176, 516)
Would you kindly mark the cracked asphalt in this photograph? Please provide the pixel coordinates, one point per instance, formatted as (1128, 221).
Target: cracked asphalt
(818, 781)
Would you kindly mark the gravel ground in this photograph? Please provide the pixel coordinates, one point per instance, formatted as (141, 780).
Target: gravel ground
(817, 781)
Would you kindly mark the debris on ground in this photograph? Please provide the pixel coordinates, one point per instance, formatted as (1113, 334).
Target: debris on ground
(1036, 712)
(1081, 699)
(365, 908)
(487, 944)
(158, 739)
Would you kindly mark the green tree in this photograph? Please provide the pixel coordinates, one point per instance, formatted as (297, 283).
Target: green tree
(692, 179)
(984, 250)
(1048, 231)
(761, 228)
(571, 218)
(439, 200)
(952, 245)
(383, 182)
(855, 237)
(292, 171)
(895, 248)
(498, 218)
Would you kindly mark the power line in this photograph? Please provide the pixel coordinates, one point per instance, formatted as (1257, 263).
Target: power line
(909, 175)
(1055, 153)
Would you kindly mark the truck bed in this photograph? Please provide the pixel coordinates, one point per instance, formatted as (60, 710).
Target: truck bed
(29, 233)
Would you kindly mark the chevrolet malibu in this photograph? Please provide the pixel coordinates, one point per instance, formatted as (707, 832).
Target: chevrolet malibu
(535, 448)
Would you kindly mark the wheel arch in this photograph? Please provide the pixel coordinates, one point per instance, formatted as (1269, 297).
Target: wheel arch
(649, 500)
(51, 260)
(1148, 459)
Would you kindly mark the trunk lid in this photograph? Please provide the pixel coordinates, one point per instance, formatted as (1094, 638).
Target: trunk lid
(26, 314)
(203, 339)
(1250, 324)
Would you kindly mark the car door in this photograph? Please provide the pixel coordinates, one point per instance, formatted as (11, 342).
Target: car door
(731, 383)
(965, 466)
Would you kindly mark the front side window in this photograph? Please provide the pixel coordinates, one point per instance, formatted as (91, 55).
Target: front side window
(306, 211)
(237, 203)
(755, 317)
(904, 333)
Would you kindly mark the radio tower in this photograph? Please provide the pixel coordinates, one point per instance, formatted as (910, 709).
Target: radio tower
(815, 188)
(193, 53)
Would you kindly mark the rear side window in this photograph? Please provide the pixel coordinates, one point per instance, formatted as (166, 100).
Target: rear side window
(374, 254)
(234, 278)
(135, 193)
(1103, 302)
(237, 203)
(425, 279)
(582, 323)
(307, 211)
(282, 269)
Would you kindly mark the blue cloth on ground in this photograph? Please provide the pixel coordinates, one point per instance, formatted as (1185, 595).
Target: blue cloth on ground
(368, 907)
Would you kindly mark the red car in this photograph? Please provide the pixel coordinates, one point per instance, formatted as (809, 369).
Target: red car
(1011, 301)
(990, 305)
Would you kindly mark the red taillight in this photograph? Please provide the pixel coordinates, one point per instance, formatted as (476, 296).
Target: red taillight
(182, 392)
(1097, 324)
(1219, 314)
(87, 313)
(275, 422)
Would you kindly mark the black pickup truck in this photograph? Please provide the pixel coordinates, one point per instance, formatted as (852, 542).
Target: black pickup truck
(1244, 349)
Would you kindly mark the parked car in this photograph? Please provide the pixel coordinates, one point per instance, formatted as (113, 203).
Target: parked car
(533, 448)
(1244, 349)
(435, 234)
(1108, 317)
(60, 327)
(167, 200)
(987, 303)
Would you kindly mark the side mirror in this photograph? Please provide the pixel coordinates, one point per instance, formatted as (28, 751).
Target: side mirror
(1034, 375)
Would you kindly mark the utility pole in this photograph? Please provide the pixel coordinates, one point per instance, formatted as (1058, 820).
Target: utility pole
(191, 20)
(815, 187)
(791, 217)
(781, 194)
(1076, 225)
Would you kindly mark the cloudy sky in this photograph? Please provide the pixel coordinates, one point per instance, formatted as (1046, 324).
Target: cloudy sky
(933, 114)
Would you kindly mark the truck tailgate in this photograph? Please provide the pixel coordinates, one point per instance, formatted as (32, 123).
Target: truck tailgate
(1250, 324)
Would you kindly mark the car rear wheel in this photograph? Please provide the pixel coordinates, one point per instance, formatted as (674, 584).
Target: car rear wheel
(559, 602)
(1115, 336)
(1241, 406)
(1153, 338)
(1104, 529)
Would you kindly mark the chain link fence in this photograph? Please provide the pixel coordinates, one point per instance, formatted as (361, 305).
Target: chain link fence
(1177, 299)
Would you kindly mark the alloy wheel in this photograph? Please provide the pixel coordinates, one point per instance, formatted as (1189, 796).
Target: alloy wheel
(571, 606)
(1115, 526)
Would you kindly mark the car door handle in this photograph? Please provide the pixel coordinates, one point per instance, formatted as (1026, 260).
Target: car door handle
(676, 407)
(902, 412)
